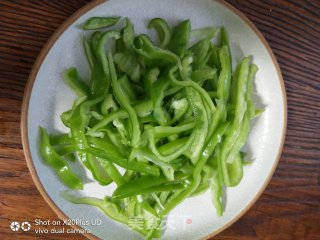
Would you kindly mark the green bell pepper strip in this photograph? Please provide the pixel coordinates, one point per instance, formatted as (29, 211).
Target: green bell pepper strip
(111, 209)
(217, 193)
(60, 139)
(206, 176)
(240, 141)
(72, 78)
(143, 182)
(104, 145)
(63, 150)
(174, 155)
(122, 130)
(95, 23)
(166, 187)
(253, 69)
(114, 138)
(128, 34)
(200, 53)
(219, 116)
(240, 109)
(142, 109)
(95, 115)
(201, 128)
(214, 59)
(150, 77)
(224, 80)
(213, 94)
(145, 154)
(100, 78)
(152, 55)
(89, 53)
(98, 170)
(157, 95)
(191, 84)
(245, 125)
(232, 172)
(180, 107)
(61, 167)
(94, 41)
(127, 88)
(201, 75)
(172, 147)
(179, 42)
(223, 39)
(113, 172)
(163, 30)
(165, 131)
(203, 187)
(207, 32)
(136, 166)
(99, 83)
(196, 176)
(108, 104)
(83, 157)
(128, 63)
(126, 58)
(79, 120)
(123, 100)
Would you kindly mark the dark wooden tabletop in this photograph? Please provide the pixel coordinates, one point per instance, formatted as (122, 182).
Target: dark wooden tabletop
(290, 206)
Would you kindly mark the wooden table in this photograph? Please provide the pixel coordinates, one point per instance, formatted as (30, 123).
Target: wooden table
(290, 206)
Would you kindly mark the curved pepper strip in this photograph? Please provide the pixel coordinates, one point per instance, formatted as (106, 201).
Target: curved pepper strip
(143, 153)
(143, 182)
(196, 176)
(240, 110)
(224, 80)
(189, 83)
(166, 187)
(136, 166)
(72, 78)
(128, 34)
(94, 41)
(142, 109)
(163, 29)
(79, 120)
(201, 129)
(98, 170)
(172, 156)
(100, 77)
(57, 163)
(89, 53)
(233, 160)
(123, 100)
(94, 23)
(157, 95)
(152, 55)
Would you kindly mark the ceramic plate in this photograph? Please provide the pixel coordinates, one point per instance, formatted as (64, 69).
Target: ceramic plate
(47, 96)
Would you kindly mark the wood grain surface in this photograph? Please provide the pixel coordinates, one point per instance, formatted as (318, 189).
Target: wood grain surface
(290, 206)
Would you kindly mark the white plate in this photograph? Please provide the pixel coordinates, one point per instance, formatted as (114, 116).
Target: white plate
(47, 97)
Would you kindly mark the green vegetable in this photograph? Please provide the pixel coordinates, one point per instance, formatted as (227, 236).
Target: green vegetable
(163, 30)
(163, 121)
(57, 163)
(99, 22)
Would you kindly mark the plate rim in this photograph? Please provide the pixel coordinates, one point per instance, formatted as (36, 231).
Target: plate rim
(42, 56)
